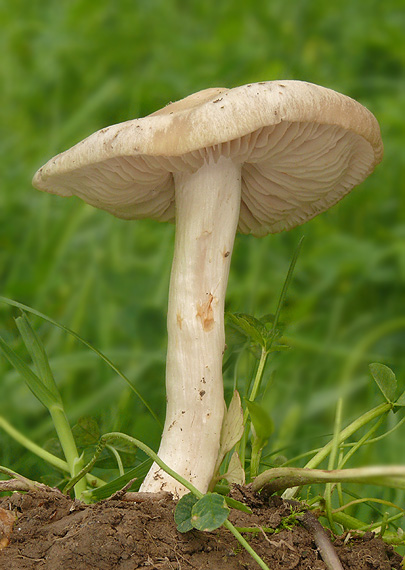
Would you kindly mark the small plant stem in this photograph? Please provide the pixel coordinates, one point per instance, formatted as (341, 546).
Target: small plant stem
(383, 526)
(258, 378)
(388, 521)
(31, 446)
(136, 442)
(281, 478)
(256, 453)
(348, 431)
(339, 487)
(117, 458)
(355, 445)
(56, 462)
(365, 439)
(351, 523)
(256, 385)
(332, 461)
(75, 463)
(367, 500)
(336, 432)
(344, 434)
(245, 545)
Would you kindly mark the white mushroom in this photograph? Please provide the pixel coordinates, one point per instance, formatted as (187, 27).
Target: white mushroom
(260, 159)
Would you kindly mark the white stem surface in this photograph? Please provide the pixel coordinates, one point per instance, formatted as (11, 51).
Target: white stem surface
(207, 214)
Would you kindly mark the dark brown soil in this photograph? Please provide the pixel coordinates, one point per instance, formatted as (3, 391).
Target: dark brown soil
(53, 532)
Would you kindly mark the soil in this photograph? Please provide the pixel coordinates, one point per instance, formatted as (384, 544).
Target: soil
(45, 530)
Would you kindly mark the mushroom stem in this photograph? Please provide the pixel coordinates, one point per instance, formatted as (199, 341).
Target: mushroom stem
(207, 214)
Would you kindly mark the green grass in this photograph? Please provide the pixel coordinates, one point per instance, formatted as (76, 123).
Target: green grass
(69, 68)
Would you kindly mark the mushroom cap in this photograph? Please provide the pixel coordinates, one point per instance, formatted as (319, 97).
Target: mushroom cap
(301, 147)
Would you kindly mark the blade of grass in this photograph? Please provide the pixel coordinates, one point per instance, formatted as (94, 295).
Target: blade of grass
(138, 473)
(286, 285)
(38, 354)
(85, 343)
(45, 389)
(41, 392)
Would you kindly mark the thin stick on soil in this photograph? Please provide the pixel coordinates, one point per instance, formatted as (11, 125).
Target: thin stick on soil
(322, 541)
(19, 482)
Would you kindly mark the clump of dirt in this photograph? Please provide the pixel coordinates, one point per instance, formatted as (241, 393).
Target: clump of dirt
(53, 532)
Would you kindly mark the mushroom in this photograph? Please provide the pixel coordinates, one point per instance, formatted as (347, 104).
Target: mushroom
(261, 158)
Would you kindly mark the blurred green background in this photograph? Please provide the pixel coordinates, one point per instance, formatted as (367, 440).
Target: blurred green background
(68, 68)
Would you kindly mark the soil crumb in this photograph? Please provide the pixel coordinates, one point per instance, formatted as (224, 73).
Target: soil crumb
(53, 532)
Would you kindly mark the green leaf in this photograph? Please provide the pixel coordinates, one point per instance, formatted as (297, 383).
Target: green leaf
(262, 423)
(210, 512)
(37, 352)
(182, 513)
(251, 327)
(86, 432)
(385, 380)
(274, 329)
(36, 386)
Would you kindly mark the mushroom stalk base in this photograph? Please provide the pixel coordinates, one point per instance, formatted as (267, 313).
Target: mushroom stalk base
(207, 214)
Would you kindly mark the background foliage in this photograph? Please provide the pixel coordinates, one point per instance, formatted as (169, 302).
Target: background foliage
(69, 68)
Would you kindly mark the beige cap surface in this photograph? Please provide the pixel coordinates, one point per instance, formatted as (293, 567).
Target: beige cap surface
(301, 147)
